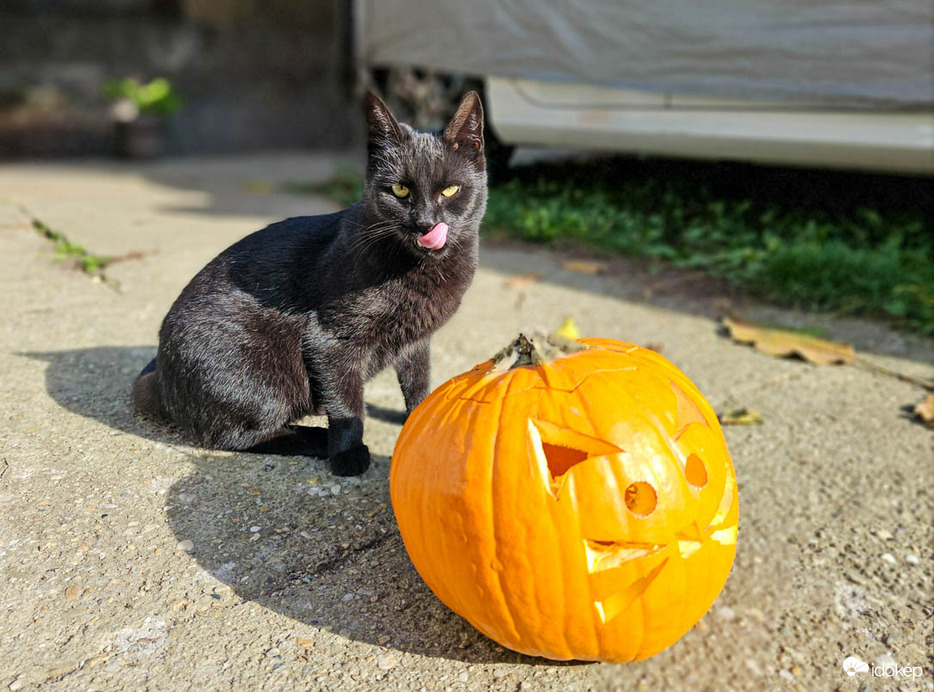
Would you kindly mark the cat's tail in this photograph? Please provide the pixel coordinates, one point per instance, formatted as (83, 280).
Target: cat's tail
(145, 393)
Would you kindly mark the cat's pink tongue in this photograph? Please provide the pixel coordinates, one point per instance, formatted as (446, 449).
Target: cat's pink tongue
(436, 237)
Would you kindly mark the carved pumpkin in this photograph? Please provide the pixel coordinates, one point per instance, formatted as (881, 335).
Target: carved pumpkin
(578, 505)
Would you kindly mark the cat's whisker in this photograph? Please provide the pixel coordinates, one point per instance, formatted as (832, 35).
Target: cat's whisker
(372, 235)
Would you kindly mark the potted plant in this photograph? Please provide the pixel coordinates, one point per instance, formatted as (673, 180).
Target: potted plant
(140, 112)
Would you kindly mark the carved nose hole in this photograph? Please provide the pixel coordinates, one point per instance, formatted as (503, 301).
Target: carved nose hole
(641, 498)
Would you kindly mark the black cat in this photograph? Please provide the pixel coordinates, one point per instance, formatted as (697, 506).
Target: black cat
(294, 318)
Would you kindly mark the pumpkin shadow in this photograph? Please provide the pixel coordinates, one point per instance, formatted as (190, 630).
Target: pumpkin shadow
(282, 532)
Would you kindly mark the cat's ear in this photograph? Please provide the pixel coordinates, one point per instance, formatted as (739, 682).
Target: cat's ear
(381, 125)
(466, 127)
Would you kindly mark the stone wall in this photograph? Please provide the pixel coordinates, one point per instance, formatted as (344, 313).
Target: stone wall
(252, 73)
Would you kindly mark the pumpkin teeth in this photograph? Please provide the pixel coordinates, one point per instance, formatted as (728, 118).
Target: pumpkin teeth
(604, 555)
(725, 536)
(690, 540)
(688, 548)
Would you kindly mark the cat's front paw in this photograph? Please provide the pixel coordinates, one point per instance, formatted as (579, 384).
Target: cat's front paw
(351, 462)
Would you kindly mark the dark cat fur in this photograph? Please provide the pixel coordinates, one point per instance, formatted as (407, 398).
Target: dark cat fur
(294, 318)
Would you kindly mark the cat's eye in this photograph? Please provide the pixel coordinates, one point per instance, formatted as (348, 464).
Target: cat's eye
(400, 190)
(450, 190)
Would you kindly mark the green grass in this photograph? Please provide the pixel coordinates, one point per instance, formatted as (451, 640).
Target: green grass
(65, 249)
(853, 244)
(820, 240)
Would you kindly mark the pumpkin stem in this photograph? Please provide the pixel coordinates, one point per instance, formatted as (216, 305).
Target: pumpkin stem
(534, 350)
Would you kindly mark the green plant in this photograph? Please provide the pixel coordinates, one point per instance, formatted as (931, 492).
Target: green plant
(65, 249)
(157, 97)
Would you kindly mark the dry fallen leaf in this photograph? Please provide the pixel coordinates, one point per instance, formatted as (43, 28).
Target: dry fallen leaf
(782, 342)
(741, 416)
(925, 411)
(568, 329)
(584, 266)
(522, 280)
(258, 187)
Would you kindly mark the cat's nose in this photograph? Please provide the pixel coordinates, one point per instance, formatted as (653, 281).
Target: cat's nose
(423, 227)
(424, 221)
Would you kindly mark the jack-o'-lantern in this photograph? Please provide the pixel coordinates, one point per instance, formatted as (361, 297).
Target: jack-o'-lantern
(571, 500)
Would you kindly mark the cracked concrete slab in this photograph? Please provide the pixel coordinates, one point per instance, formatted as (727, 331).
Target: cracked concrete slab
(131, 561)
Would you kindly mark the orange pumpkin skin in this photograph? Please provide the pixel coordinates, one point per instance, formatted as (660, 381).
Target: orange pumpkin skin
(582, 509)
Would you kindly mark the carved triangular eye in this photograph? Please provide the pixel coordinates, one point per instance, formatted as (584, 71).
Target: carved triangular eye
(557, 450)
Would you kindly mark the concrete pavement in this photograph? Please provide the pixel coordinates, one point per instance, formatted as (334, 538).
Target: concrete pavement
(131, 561)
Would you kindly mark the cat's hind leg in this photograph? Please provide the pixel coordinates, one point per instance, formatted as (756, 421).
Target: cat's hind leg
(145, 393)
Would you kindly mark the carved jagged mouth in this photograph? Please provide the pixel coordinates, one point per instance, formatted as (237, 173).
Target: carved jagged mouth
(612, 594)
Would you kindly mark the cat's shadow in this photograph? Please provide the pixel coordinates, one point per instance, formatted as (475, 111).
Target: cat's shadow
(283, 532)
